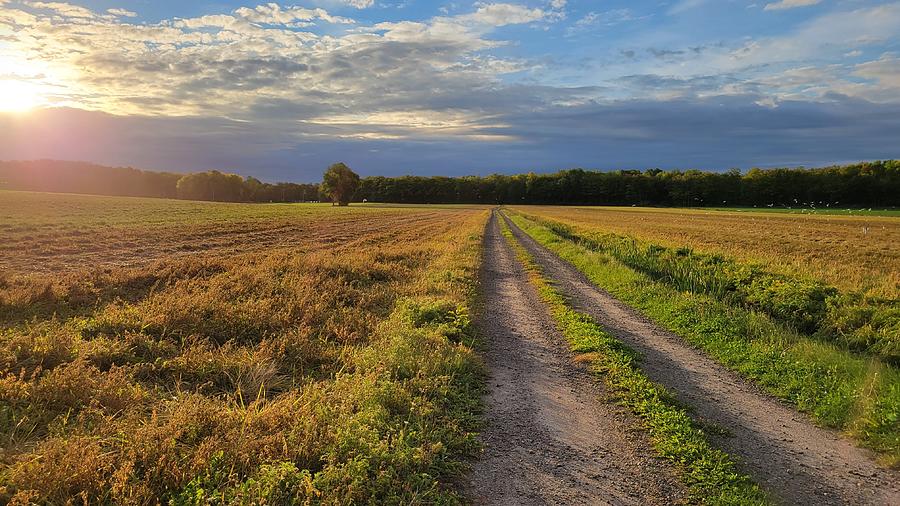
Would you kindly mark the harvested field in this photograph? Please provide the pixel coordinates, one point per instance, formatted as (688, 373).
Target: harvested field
(184, 352)
(854, 253)
(261, 354)
(64, 233)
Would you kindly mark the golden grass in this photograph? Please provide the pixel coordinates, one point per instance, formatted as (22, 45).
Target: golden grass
(282, 356)
(56, 233)
(853, 253)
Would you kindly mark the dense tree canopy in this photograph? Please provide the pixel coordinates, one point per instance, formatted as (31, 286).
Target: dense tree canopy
(212, 185)
(339, 184)
(76, 177)
(869, 184)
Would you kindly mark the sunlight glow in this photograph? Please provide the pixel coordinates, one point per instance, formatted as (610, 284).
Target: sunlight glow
(18, 96)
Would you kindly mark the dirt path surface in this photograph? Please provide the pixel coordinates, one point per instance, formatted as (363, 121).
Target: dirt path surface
(780, 448)
(550, 439)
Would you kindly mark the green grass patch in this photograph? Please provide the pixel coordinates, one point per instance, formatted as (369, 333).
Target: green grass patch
(857, 394)
(857, 322)
(710, 473)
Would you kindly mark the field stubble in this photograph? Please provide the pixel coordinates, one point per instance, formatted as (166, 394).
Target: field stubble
(248, 353)
(853, 253)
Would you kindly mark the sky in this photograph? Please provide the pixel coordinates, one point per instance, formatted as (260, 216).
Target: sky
(392, 87)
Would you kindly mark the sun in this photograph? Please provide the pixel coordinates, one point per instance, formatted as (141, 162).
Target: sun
(18, 96)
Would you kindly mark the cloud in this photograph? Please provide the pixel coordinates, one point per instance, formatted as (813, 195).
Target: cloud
(122, 13)
(714, 133)
(789, 4)
(360, 4)
(503, 14)
(405, 79)
(607, 18)
(788, 65)
(274, 14)
(63, 9)
(885, 72)
(828, 35)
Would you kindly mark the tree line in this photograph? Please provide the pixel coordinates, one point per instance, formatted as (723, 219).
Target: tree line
(216, 186)
(78, 177)
(866, 184)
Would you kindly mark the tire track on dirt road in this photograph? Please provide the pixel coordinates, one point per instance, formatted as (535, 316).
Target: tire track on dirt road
(549, 438)
(780, 448)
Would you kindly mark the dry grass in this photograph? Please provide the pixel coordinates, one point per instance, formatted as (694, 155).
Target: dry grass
(55, 233)
(853, 253)
(292, 354)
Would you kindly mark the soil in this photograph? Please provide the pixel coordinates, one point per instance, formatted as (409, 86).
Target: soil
(553, 436)
(782, 449)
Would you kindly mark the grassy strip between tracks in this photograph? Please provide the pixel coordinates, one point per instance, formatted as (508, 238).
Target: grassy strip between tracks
(710, 473)
(857, 394)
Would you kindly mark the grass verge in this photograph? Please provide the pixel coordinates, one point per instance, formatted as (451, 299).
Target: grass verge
(710, 473)
(857, 322)
(857, 394)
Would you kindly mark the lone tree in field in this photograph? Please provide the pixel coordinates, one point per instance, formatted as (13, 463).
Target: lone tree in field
(339, 183)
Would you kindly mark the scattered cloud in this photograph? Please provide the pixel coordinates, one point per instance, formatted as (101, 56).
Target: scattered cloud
(828, 35)
(503, 14)
(772, 64)
(63, 9)
(606, 18)
(274, 14)
(884, 73)
(789, 4)
(122, 13)
(360, 4)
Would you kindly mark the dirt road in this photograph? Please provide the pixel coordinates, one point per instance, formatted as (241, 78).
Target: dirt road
(550, 438)
(780, 448)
